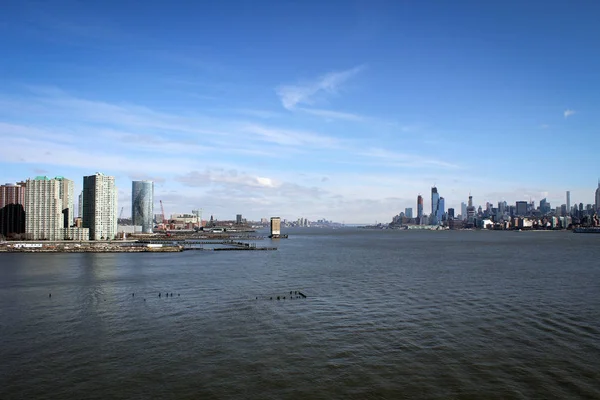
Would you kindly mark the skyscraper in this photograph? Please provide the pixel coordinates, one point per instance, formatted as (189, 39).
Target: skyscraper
(441, 209)
(568, 202)
(80, 205)
(408, 212)
(521, 207)
(598, 197)
(100, 206)
(12, 213)
(142, 205)
(419, 209)
(435, 198)
(65, 189)
(463, 210)
(471, 210)
(43, 209)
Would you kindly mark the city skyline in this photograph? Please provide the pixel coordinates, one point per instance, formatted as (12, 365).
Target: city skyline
(346, 113)
(152, 204)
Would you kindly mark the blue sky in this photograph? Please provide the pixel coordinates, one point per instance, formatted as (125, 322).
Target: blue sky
(345, 110)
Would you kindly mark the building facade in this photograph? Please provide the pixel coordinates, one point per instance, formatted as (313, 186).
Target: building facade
(80, 205)
(100, 206)
(142, 205)
(275, 227)
(12, 211)
(435, 199)
(43, 209)
(597, 201)
(521, 208)
(408, 212)
(65, 188)
(419, 209)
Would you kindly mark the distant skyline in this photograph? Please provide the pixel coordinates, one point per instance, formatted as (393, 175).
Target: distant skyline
(337, 110)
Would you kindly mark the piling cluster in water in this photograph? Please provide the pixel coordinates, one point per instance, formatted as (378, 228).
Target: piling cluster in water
(294, 294)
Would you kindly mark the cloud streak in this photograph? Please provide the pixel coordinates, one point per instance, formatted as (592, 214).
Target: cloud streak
(298, 96)
(569, 112)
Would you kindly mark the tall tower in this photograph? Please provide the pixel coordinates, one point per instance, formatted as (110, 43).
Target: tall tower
(598, 197)
(435, 206)
(65, 189)
(12, 213)
(568, 202)
(419, 209)
(100, 206)
(470, 210)
(43, 209)
(80, 205)
(435, 198)
(142, 204)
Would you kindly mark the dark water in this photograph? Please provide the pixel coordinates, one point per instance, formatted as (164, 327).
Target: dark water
(433, 315)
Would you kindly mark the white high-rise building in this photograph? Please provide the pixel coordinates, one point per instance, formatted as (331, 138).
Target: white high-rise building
(48, 207)
(68, 204)
(100, 206)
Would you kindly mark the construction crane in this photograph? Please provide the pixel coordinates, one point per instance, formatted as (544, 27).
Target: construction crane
(121, 213)
(162, 210)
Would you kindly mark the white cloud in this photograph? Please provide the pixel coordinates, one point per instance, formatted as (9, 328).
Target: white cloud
(288, 137)
(403, 159)
(294, 96)
(568, 113)
(332, 114)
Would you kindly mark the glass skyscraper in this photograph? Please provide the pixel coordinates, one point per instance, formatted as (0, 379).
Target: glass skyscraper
(435, 206)
(419, 209)
(142, 205)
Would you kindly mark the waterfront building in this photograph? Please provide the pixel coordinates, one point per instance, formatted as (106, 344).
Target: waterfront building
(568, 202)
(521, 208)
(598, 197)
(419, 209)
(451, 213)
(80, 205)
(408, 212)
(563, 210)
(12, 212)
(545, 207)
(275, 227)
(142, 205)
(43, 209)
(65, 189)
(463, 210)
(100, 206)
(471, 211)
(238, 219)
(435, 199)
(441, 210)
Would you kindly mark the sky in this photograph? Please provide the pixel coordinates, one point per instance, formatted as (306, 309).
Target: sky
(344, 110)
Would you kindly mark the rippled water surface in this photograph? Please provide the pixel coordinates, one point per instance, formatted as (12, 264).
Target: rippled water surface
(432, 315)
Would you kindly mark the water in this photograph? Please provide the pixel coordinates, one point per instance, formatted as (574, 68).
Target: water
(433, 315)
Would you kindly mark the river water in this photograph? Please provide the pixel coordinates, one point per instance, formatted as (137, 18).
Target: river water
(388, 315)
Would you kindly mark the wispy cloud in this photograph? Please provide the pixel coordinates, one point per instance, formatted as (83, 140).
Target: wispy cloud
(568, 113)
(403, 159)
(287, 137)
(298, 96)
(332, 114)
